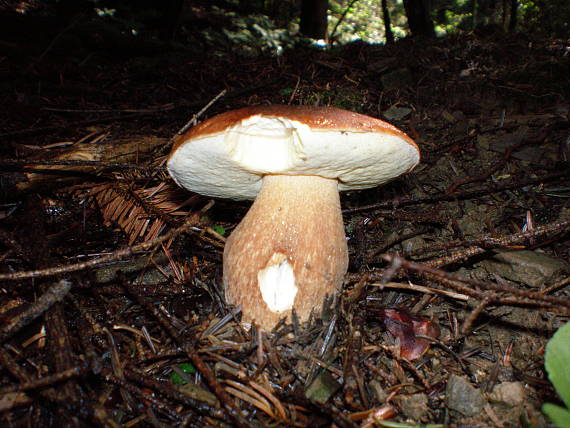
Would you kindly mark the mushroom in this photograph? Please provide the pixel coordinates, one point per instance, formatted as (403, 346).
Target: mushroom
(289, 252)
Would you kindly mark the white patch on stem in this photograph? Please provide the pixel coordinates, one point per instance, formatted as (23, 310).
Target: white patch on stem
(277, 283)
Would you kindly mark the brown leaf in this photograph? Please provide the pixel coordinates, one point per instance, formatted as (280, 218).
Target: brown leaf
(406, 327)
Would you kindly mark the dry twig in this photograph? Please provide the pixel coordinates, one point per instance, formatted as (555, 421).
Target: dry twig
(53, 295)
(115, 256)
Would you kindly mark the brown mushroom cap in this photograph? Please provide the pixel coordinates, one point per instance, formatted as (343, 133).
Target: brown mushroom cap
(227, 155)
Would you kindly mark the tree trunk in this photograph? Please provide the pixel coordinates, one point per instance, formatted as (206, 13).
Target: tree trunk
(514, 16)
(387, 23)
(419, 19)
(314, 18)
(171, 12)
(484, 13)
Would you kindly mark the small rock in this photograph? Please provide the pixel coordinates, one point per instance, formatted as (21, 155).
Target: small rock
(413, 244)
(377, 391)
(528, 267)
(463, 397)
(413, 406)
(322, 388)
(564, 214)
(196, 393)
(397, 113)
(505, 142)
(535, 154)
(152, 275)
(511, 394)
(484, 141)
(471, 222)
(448, 117)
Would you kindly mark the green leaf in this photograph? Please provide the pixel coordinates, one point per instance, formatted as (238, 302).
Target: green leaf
(186, 368)
(557, 362)
(558, 415)
(220, 230)
(177, 379)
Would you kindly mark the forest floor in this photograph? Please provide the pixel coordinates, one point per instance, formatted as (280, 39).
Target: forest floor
(110, 307)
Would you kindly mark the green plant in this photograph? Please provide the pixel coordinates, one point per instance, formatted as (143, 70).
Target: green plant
(557, 364)
(219, 229)
(176, 378)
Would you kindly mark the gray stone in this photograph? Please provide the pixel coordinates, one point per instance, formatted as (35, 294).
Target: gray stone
(463, 397)
(510, 394)
(413, 244)
(322, 388)
(109, 273)
(543, 154)
(195, 392)
(413, 406)
(397, 113)
(528, 267)
(470, 223)
(377, 391)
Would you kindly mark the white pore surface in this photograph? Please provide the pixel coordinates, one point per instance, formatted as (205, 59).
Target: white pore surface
(232, 164)
(277, 283)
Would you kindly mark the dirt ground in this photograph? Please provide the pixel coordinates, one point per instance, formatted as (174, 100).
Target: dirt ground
(110, 304)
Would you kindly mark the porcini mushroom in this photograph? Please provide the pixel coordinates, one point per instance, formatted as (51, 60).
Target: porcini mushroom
(289, 252)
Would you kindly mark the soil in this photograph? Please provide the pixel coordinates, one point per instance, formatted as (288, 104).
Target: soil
(103, 325)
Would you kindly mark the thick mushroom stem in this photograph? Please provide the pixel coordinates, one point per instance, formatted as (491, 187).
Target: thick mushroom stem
(289, 251)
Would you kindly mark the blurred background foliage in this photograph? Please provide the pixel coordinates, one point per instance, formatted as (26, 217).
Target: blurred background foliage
(251, 27)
